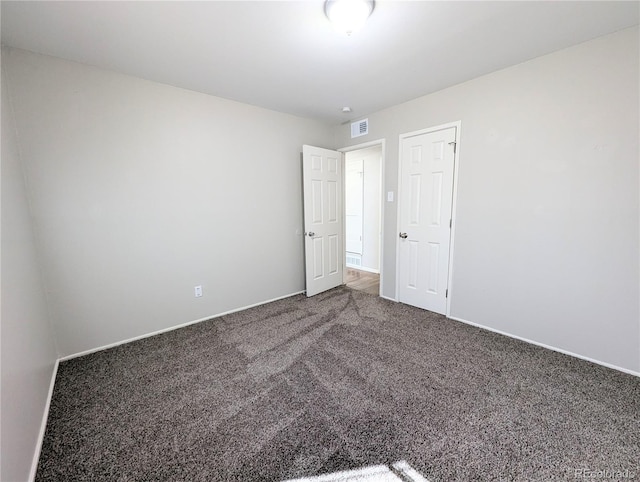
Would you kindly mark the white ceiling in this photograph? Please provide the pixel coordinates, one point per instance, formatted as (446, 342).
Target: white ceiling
(285, 56)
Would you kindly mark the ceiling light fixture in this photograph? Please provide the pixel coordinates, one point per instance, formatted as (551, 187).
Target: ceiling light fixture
(348, 16)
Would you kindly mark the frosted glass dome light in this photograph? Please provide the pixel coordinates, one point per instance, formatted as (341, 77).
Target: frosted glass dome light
(348, 16)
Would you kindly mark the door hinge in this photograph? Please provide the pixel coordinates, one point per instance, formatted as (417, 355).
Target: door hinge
(450, 223)
(446, 293)
(454, 146)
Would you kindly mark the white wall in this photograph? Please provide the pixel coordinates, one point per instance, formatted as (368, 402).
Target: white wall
(141, 191)
(546, 231)
(371, 159)
(353, 205)
(371, 224)
(28, 347)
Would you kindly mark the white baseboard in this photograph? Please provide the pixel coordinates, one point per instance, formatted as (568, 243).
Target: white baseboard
(368, 270)
(45, 415)
(363, 268)
(548, 347)
(175, 327)
(43, 424)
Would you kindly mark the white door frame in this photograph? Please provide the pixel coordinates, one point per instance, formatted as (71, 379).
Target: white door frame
(381, 143)
(456, 168)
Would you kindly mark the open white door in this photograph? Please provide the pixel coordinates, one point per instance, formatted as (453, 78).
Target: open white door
(426, 197)
(323, 224)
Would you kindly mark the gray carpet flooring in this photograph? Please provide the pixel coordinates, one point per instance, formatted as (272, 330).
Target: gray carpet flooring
(306, 386)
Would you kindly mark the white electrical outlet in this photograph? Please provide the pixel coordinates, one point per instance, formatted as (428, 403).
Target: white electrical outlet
(198, 291)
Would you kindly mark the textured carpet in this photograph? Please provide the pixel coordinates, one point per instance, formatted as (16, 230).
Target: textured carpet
(307, 386)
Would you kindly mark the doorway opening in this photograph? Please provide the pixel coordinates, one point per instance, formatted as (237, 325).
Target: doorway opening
(363, 167)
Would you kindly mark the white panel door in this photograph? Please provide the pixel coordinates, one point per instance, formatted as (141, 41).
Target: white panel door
(426, 198)
(323, 218)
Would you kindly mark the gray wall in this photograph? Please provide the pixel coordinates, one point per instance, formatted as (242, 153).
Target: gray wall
(27, 347)
(546, 234)
(141, 191)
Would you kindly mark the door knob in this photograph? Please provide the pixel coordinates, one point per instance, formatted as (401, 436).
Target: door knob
(311, 234)
(403, 235)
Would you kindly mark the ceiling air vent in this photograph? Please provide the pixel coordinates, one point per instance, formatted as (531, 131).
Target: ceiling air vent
(360, 128)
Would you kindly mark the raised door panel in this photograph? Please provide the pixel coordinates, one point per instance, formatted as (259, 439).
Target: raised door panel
(322, 192)
(426, 187)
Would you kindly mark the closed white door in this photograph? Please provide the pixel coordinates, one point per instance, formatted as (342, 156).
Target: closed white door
(323, 218)
(426, 199)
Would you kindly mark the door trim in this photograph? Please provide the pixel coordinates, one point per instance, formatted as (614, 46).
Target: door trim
(357, 147)
(456, 168)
